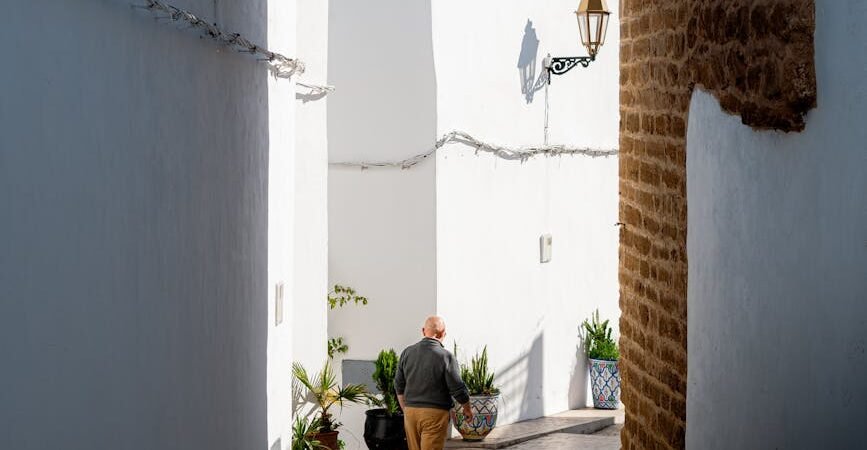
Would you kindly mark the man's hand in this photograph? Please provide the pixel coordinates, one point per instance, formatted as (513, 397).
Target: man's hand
(468, 412)
(401, 400)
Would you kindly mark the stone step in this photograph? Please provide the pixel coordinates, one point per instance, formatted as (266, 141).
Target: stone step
(574, 422)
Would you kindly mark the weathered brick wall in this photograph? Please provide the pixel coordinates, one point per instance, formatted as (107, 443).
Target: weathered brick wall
(756, 57)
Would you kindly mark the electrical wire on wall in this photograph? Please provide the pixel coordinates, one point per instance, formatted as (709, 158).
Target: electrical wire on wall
(280, 66)
(546, 107)
(508, 153)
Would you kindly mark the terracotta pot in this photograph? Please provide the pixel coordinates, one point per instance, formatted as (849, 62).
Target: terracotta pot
(328, 439)
(485, 412)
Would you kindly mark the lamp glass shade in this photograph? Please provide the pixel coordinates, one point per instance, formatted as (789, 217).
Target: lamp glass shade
(592, 24)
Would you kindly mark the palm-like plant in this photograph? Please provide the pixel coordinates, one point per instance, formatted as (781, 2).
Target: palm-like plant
(304, 434)
(325, 392)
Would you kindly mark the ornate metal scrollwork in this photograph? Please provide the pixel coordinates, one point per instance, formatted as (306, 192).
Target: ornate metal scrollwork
(561, 65)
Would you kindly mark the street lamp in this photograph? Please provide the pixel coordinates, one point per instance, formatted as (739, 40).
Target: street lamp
(592, 25)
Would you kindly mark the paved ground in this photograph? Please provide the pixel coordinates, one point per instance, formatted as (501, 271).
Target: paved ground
(613, 430)
(568, 441)
(607, 438)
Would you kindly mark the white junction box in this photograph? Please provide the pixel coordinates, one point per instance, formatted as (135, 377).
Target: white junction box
(545, 242)
(278, 304)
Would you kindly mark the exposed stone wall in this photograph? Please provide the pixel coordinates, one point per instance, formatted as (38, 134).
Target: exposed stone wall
(756, 57)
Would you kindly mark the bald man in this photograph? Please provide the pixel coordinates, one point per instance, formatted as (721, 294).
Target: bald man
(427, 378)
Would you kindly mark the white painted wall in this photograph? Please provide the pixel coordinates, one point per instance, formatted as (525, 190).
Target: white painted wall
(145, 184)
(309, 320)
(281, 224)
(381, 222)
(778, 263)
(461, 237)
(492, 289)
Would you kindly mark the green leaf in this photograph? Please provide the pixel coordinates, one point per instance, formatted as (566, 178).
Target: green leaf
(477, 376)
(598, 342)
(325, 392)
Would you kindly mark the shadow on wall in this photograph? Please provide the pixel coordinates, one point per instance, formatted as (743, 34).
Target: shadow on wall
(310, 97)
(527, 64)
(522, 381)
(578, 380)
(375, 90)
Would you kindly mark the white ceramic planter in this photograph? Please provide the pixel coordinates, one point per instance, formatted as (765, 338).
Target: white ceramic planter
(605, 383)
(485, 411)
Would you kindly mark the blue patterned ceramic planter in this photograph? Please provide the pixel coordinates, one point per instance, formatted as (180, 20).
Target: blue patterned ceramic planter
(605, 383)
(485, 411)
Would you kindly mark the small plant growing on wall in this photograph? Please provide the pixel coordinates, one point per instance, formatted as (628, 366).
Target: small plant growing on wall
(339, 296)
(336, 346)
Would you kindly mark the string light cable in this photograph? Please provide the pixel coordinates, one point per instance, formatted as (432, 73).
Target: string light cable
(281, 66)
(459, 137)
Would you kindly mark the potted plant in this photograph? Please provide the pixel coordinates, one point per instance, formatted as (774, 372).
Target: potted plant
(483, 399)
(383, 426)
(304, 434)
(324, 392)
(603, 355)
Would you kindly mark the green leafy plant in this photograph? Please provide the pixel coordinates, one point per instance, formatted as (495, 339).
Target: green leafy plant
(336, 346)
(304, 434)
(338, 297)
(477, 375)
(383, 376)
(598, 341)
(341, 295)
(325, 393)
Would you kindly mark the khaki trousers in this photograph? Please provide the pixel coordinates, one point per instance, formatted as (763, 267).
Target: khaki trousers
(426, 428)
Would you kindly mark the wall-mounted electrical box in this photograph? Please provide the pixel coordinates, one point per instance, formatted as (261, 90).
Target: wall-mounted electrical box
(278, 304)
(545, 242)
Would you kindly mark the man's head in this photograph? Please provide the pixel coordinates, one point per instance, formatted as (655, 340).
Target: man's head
(434, 327)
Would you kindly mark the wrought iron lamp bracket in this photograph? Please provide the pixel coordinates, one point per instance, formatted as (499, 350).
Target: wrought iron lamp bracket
(561, 65)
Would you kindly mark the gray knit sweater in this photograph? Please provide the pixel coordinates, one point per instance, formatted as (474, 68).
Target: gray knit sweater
(428, 376)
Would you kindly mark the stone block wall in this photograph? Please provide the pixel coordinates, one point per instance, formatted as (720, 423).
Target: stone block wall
(756, 58)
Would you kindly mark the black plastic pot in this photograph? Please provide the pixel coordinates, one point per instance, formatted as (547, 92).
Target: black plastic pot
(384, 432)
